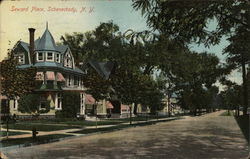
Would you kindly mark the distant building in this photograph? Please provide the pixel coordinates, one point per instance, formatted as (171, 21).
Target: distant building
(170, 106)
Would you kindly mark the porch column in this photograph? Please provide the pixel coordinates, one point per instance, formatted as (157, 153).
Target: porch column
(56, 101)
(82, 104)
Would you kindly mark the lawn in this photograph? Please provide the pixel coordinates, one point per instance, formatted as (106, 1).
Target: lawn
(118, 127)
(243, 122)
(38, 126)
(71, 122)
(62, 124)
(30, 140)
(11, 133)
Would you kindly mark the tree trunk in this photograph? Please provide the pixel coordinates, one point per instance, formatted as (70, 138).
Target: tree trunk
(244, 79)
(130, 115)
(195, 112)
(135, 108)
(169, 106)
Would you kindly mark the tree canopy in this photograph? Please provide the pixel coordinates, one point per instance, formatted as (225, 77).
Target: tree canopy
(190, 21)
(16, 82)
(139, 57)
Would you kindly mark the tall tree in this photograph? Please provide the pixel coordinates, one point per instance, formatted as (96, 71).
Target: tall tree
(188, 21)
(134, 61)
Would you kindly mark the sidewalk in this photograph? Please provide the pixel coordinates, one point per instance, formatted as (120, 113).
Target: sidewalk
(69, 131)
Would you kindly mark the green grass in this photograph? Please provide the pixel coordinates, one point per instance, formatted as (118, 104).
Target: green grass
(72, 122)
(117, 127)
(30, 140)
(83, 123)
(11, 133)
(38, 126)
(243, 122)
(62, 124)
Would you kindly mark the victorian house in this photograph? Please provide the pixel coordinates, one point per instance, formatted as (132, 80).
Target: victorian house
(57, 71)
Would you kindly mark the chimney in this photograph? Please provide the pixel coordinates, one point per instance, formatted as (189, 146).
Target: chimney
(32, 45)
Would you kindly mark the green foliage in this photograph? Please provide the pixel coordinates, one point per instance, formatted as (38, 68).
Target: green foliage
(194, 81)
(138, 55)
(189, 21)
(70, 104)
(98, 87)
(30, 103)
(16, 82)
(232, 97)
(135, 61)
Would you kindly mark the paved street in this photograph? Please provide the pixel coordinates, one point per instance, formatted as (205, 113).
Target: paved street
(209, 136)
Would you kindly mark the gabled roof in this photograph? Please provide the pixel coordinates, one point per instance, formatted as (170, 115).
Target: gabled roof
(104, 69)
(25, 45)
(62, 48)
(46, 42)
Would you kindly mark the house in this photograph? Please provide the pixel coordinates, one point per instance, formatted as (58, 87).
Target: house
(57, 71)
(170, 105)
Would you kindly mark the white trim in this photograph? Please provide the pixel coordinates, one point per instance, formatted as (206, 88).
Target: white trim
(37, 56)
(71, 58)
(21, 60)
(52, 56)
(58, 98)
(57, 59)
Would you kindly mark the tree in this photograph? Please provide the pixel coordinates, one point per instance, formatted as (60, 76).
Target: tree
(30, 103)
(188, 21)
(97, 86)
(195, 79)
(70, 104)
(231, 97)
(134, 61)
(238, 55)
(16, 82)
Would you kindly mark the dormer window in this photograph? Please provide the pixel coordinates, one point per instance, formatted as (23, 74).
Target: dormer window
(39, 56)
(68, 61)
(50, 56)
(58, 58)
(21, 59)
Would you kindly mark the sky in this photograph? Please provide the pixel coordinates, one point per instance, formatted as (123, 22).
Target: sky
(78, 16)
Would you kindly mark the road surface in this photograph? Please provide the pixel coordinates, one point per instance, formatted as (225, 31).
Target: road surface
(205, 137)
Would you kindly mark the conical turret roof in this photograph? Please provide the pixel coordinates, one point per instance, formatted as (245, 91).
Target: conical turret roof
(46, 42)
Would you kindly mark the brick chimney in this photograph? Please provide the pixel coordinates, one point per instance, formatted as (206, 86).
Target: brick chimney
(32, 44)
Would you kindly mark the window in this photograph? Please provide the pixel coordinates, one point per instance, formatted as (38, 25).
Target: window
(49, 56)
(76, 81)
(68, 61)
(43, 102)
(14, 104)
(21, 59)
(39, 56)
(58, 58)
